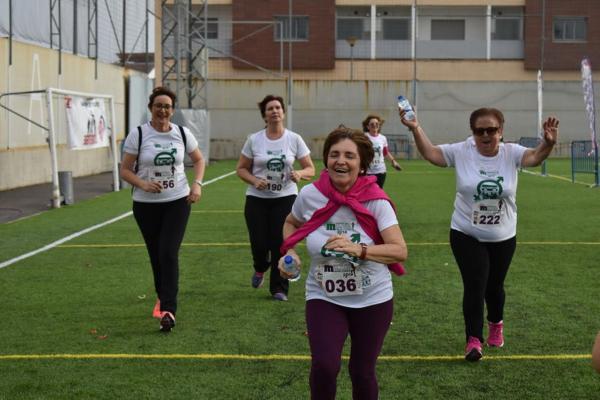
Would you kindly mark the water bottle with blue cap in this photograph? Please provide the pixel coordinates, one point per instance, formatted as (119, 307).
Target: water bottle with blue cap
(290, 266)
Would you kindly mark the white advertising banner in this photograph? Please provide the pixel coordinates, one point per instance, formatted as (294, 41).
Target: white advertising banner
(588, 97)
(86, 123)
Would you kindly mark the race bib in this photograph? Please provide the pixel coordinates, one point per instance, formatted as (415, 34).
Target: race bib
(488, 212)
(339, 278)
(164, 175)
(275, 180)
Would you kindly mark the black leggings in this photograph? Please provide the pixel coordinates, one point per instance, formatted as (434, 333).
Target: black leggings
(483, 267)
(163, 226)
(380, 179)
(265, 218)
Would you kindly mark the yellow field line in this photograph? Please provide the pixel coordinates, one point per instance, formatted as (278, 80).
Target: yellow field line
(277, 357)
(237, 244)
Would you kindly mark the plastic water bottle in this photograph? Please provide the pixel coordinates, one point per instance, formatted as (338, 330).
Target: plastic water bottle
(404, 104)
(290, 266)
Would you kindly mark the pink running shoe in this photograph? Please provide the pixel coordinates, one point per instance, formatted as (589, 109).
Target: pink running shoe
(473, 349)
(495, 338)
(156, 311)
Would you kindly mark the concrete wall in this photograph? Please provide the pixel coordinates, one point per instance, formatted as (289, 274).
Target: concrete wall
(444, 108)
(24, 153)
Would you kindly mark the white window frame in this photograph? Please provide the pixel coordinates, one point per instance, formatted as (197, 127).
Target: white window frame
(282, 24)
(571, 21)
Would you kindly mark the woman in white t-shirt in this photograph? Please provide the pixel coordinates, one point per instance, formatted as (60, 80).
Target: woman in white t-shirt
(267, 166)
(153, 164)
(351, 234)
(372, 128)
(484, 222)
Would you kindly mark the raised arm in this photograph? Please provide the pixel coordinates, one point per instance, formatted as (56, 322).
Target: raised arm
(534, 157)
(429, 151)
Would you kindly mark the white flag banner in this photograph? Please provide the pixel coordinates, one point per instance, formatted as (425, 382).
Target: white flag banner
(86, 123)
(588, 96)
(540, 99)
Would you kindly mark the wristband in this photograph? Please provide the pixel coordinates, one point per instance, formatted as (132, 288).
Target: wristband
(363, 251)
(199, 183)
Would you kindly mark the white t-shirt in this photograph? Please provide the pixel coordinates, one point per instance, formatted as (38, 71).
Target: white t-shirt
(380, 143)
(486, 189)
(273, 160)
(376, 277)
(161, 159)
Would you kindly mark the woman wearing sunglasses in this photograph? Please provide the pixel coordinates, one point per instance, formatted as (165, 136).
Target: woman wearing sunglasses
(484, 222)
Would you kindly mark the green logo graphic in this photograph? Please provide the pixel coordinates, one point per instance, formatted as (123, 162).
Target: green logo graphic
(165, 158)
(276, 164)
(489, 189)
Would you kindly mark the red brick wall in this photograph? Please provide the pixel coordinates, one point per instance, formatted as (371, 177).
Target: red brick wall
(261, 49)
(560, 55)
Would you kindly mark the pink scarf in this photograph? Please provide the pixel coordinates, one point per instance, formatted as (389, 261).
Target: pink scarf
(364, 189)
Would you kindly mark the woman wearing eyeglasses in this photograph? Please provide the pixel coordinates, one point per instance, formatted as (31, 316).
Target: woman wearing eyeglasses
(484, 222)
(153, 164)
(372, 128)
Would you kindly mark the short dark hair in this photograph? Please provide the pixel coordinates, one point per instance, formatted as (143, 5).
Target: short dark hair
(270, 97)
(484, 112)
(365, 123)
(363, 144)
(162, 91)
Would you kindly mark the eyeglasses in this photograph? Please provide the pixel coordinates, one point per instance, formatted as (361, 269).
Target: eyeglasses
(491, 130)
(166, 107)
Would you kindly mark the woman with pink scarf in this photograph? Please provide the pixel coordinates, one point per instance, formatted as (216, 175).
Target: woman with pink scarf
(354, 241)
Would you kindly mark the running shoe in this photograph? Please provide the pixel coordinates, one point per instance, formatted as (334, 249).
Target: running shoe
(167, 321)
(279, 296)
(496, 337)
(257, 279)
(156, 311)
(473, 349)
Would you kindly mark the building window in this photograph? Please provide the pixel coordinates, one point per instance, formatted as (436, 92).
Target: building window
(447, 29)
(395, 29)
(212, 28)
(507, 29)
(569, 29)
(299, 28)
(351, 27)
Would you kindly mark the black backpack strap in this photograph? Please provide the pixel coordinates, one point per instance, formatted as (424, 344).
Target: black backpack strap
(135, 168)
(183, 138)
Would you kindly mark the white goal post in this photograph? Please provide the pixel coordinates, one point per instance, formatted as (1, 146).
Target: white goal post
(52, 136)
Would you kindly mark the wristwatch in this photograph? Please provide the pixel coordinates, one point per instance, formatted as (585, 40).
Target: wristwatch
(197, 182)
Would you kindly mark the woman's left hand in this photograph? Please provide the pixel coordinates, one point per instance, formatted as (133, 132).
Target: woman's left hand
(551, 130)
(195, 193)
(344, 244)
(295, 176)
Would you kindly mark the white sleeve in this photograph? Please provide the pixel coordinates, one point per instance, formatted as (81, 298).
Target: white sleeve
(302, 149)
(516, 153)
(191, 142)
(449, 152)
(247, 149)
(299, 206)
(131, 145)
(384, 214)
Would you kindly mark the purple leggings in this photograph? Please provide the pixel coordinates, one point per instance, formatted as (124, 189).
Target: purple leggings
(328, 326)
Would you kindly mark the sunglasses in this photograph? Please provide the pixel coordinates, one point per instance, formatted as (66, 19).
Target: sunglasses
(491, 130)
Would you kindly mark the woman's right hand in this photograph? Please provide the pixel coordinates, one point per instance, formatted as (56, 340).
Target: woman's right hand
(411, 124)
(151, 187)
(282, 271)
(260, 184)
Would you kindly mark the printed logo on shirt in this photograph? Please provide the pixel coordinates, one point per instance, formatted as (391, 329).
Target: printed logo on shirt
(354, 238)
(489, 174)
(489, 189)
(165, 157)
(340, 227)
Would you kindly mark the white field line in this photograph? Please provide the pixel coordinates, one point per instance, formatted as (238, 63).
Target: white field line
(84, 231)
(562, 178)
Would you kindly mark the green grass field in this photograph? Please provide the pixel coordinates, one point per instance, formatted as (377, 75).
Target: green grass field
(77, 318)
